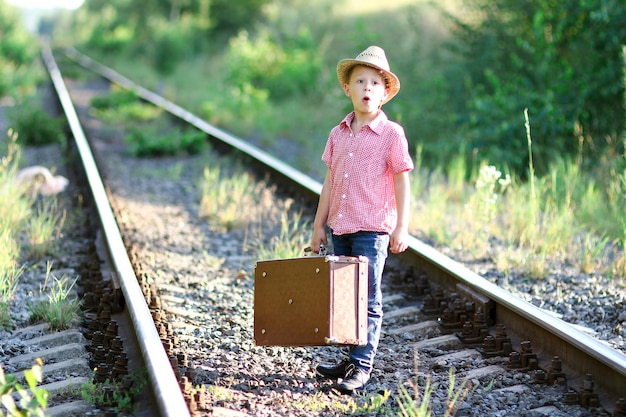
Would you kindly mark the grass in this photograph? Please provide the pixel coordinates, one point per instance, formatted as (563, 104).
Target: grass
(232, 199)
(118, 395)
(30, 223)
(236, 200)
(376, 404)
(34, 125)
(60, 310)
(14, 207)
(419, 403)
(293, 236)
(13, 211)
(562, 216)
(44, 226)
(229, 199)
(145, 130)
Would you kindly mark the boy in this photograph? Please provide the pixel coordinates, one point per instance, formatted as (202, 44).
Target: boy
(365, 196)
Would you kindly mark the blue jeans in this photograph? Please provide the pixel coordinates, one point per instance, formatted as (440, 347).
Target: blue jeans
(372, 245)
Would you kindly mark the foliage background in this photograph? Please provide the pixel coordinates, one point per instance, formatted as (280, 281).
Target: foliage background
(17, 52)
(264, 69)
(469, 68)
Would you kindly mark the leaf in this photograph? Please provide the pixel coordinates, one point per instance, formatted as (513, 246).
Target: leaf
(42, 397)
(9, 404)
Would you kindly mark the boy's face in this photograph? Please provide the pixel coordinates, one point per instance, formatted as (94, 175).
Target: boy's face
(366, 89)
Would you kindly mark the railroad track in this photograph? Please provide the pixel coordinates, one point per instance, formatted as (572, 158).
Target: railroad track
(439, 315)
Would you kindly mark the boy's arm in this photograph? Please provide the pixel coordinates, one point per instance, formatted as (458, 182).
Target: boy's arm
(398, 241)
(321, 216)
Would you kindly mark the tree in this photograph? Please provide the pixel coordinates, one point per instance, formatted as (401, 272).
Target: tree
(562, 60)
(17, 52)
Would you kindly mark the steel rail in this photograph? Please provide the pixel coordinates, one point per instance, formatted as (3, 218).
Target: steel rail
(166, 389)
(579, 352)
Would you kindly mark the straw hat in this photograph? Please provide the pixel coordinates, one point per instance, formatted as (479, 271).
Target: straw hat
(374, 57)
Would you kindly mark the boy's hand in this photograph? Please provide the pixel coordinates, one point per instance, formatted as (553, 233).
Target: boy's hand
(398, 241)
(319, 238)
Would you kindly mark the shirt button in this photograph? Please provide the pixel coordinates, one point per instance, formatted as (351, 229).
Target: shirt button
(340, 216)
(343, 196)
(350, 154)
(345, 175)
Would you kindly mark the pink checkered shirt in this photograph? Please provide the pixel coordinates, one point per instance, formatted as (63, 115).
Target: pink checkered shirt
(361, 168)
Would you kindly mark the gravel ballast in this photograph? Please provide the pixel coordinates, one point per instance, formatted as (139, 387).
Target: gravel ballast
(205, 275)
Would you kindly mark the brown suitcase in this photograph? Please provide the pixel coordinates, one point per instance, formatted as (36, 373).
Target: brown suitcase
(311, 301)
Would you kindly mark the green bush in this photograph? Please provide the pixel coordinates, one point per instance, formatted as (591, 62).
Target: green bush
(114, 99)
(18, 51)
(110, 34)
(563, 61)
(123, 107)
(172, 44)
(34, 126)
(151, 141)
(284, 70)
(230, 15)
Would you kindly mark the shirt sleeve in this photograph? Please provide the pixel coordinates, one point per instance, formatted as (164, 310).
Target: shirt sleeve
(399, 157)
(328, 149)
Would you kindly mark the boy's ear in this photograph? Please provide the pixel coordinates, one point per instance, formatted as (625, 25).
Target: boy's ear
(346, 90)
(387, 91)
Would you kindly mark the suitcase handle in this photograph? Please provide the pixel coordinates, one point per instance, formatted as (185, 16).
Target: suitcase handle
(323, 251)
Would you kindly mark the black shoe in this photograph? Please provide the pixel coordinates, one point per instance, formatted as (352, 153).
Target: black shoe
(333, 372)
(354, 380)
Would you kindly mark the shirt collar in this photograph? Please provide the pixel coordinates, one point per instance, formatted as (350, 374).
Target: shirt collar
(376, 125)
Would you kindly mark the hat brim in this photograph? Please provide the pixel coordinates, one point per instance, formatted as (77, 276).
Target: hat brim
(345, 65)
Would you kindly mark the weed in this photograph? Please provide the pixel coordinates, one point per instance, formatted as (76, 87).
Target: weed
(8, 261)
(368, 404)
(118, 97)
(618, 266)
(119, 395)
(5, 318)
(419, 405)
(481, 210)
(10, 272)
(228, 200)
(44, 226)
(371, 404)
(14, 207)
(289, 243)
(35, 126)
(58, 310)
(155, 140)
(432, 219)
(592, 248)
(147, 136)
(536, 266)
(219, 393)
(13, 210)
